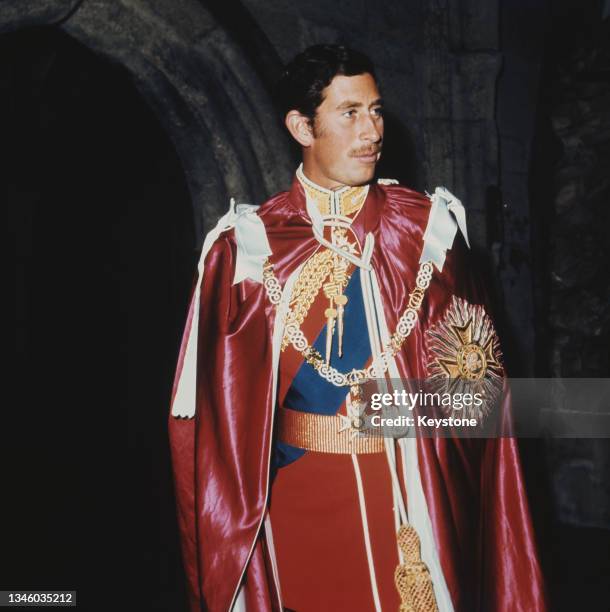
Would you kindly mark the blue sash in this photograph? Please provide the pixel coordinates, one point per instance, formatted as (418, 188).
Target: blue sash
(310, 392)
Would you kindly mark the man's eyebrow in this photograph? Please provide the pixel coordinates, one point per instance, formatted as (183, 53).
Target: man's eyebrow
(351, 104)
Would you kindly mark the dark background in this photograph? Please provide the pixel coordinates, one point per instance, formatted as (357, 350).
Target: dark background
(125, 127)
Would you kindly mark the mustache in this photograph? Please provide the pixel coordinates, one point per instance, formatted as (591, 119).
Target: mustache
(371, 150)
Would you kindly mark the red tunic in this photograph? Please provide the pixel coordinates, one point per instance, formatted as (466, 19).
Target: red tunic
(473, 488)
(316, 520)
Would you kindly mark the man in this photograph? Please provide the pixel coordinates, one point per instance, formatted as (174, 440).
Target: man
(283, 502)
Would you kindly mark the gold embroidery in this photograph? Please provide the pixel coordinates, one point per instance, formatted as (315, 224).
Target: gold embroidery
(336, 203)
(323, 266)
(306, 287)
(350, 199)
(322, 433)
(321, 199)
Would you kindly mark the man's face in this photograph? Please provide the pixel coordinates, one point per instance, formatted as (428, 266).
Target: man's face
(347, 135)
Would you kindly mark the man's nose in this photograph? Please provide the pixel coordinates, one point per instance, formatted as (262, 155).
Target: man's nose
(372, 129)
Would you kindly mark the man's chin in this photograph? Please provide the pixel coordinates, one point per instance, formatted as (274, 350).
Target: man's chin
(361, 176)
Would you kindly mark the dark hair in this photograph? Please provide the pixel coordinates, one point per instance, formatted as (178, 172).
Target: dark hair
(305, 77)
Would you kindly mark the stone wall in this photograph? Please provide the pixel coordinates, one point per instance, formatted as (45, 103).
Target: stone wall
(575, 312)
(579, 315)
(200, 82)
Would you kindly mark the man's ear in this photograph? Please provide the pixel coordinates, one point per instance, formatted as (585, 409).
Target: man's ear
(300, 128)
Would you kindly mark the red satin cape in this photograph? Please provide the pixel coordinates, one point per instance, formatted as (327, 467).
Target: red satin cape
(474, 488)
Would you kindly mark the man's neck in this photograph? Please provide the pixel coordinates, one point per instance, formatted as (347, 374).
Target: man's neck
(343, 199)
(319, 180)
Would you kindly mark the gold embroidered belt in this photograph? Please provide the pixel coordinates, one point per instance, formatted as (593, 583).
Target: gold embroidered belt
(321, 433)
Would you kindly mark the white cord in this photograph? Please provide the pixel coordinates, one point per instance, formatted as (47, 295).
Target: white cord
(365, 529)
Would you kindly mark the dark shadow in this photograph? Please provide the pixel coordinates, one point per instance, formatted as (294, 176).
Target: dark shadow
(574, 551)
(104, 240)
(399, 160)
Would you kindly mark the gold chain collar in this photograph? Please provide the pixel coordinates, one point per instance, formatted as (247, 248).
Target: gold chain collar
(380, 364)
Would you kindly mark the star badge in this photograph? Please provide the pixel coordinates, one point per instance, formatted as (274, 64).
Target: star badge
(464, 354)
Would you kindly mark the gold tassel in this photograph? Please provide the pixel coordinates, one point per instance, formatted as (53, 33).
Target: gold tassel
(412, 578)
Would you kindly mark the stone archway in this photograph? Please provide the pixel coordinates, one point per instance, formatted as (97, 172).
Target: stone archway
(202, 84)
(104, 237)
